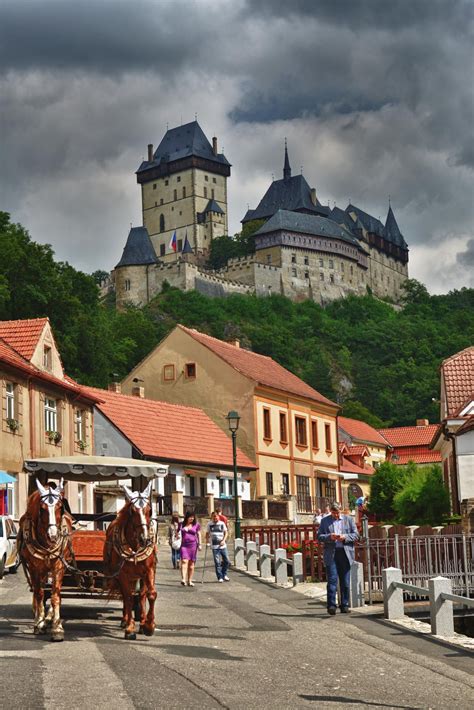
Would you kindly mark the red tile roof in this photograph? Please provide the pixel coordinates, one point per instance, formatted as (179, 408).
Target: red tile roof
(23, 335)
(417, 454)
(10, 357)
(171, 432)
(348, 467)
(360, 431)
(409, 435)
(458, 375)
(360, 450)
(467, 426)
(259, 368)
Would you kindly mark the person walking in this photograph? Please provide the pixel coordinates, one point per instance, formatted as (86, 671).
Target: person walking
(338, 533)
(221, 515)
(190, 544)
(216, 536)
(174, 539)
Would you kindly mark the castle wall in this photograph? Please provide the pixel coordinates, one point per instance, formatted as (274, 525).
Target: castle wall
(386, 275)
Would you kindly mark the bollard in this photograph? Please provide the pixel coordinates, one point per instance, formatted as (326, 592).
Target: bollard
(265, 562)
(298, 575)
(357, 585)
(239, 552)
(252, 556)
(441, 610)
(392, 596)
(281, 573)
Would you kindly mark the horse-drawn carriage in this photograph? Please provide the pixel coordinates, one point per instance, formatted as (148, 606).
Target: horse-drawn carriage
(65, 551)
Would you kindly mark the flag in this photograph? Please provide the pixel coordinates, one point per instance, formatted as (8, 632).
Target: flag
(187, 248)
(173, 243)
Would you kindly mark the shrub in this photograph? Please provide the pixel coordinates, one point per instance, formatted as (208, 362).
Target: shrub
(386, 482)
(424, 499)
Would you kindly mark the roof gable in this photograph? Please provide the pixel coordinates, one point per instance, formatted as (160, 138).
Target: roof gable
(138, 250)
(23, 335)
(360, 431)
(259, 368)
(292, 194)
(409, 435)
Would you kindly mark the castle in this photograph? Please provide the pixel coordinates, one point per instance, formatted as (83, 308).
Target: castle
(303, 249)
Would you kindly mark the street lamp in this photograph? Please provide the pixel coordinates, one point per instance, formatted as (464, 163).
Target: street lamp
(233, 420)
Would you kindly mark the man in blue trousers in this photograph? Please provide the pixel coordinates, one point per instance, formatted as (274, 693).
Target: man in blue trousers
(338, 532)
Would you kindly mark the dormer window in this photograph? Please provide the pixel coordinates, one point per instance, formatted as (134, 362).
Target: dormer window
(47, 357)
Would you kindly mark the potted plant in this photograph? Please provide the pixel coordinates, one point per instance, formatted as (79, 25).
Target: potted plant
(54, 436)
(12, 424)
(81, 444)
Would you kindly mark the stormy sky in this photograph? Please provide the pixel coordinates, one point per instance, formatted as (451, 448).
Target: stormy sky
(375, 98)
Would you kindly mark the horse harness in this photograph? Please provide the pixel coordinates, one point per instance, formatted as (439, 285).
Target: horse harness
(124, 550)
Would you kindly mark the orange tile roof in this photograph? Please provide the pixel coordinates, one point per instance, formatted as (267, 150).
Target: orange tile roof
(171, 432)
(417, 454)
(361, 431)
(409, 435)
(458, 375)
(360, 450)
(348, 467)
(23, 335)
(259, 368)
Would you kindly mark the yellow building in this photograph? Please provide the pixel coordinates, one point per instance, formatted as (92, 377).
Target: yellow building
(43, 412)
(287, 428)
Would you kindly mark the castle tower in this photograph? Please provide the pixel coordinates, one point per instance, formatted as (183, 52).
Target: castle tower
(184, 189)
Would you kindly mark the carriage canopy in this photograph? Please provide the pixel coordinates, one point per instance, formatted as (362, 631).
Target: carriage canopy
(91, 468)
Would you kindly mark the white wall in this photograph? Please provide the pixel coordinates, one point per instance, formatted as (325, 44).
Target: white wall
(465, 460)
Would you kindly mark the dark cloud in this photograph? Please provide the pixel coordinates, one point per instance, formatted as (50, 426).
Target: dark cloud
(466, 258)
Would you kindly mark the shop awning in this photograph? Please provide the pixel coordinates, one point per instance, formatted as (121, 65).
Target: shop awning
(228, 474)
(6, 478)
(329, 471)
(89, 468)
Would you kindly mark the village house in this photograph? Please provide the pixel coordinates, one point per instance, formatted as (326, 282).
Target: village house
(198, 453)
(412, 443)
(287, 428)
(44, 412)
(454, 436)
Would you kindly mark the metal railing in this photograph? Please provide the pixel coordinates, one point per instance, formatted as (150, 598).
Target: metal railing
(439, 592)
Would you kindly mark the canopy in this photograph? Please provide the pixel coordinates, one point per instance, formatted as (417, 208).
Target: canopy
(6, 478)
(89, 468)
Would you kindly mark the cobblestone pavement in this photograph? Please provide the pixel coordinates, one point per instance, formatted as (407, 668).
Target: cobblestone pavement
(237, 645)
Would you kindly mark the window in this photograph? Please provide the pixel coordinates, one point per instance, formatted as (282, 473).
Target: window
(300, 427)
(10, 394)
(331, 263)
(79, 425)
(285, 484)
(321, 276)
(303, 491)
(327, 489)
(162, 249)
(192, 486)
(331, 278)
(162, 222)
(81, 495)
(205, 192)
(154, 185)
(212, 193)
(314, 434)
(306, 261)
(175, 195)
(321, 262)
(168, 373)
(306, 274)
(180, 244)
(167, 183)
(267, 428)
(342, 266)
(206, 178)
(184, 191)
(214, 180)
(293, 258)
(269, 477)
(327, 433)
(269, 258)
(127, 285)
(161, 200)
(283, 429)
(352, 269)
(293, 271)
(178, 179)
(47, 357)
(50, 415)
(190, 370)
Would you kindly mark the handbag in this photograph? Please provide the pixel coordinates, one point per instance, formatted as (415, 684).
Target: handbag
(176, 541)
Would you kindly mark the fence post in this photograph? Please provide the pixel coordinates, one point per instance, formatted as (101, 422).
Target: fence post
(441, 610)
(251, 556)
(396, 550)
(239, 552)
(265, 562)
(281, 573)
(298, 576)
(465, 563)
(392, 596)
(357, 585)
(265, 509)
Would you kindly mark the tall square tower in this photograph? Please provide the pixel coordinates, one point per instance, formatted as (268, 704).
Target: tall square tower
(184, 190)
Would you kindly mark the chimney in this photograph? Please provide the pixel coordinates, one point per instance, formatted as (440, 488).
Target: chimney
(422, 422)
(138, 391)
(235, 343)
(115, 387)
(214, 145)
(150, 152)
(314, 199)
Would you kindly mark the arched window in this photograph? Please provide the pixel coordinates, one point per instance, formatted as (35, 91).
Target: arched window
(162, 222)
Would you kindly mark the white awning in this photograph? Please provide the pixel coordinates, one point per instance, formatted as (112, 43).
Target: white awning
(89, 468)
(228, 474)
(329, 470)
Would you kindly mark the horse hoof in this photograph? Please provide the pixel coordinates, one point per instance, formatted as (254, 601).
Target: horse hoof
(148, 631)
(130, 637)
(141, 630)
(57, 636)
(40, 630)
(123, 624)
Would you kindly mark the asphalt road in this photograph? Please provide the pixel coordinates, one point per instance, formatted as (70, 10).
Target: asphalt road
(237, 645)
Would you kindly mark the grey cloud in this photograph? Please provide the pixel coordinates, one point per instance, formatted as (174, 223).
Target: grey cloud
(466, 258)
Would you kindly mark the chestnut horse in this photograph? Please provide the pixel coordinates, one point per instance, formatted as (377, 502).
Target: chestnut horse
(130, 560)
(44, 546)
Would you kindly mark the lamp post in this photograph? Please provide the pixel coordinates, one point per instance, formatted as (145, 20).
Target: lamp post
(233, 420)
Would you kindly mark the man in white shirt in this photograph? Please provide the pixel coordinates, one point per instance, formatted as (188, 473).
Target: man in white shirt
(216, 536)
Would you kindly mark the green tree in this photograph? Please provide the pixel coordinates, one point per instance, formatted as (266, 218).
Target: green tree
(356, 410)
(386, 482)
(424, 499)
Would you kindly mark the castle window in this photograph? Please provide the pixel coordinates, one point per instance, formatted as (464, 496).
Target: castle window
(205, 192)
(184, 192)
(321, 262)
(306, 274)
(293, 271)
(269, 258)
(154, 185)
(127, 284)
(342, 266)
(161, 201)
(306, 261)
(352, 269)
(156, 203)
(168, 373)
(293, 258)
(321, 276)
(214, 180)
(167, 182)
(212, 193)
(162, 249)
(180, 213)
(331, 278)
(206, 178)
(175, 195)
(178, 179)
(162, 222)
(331, 264)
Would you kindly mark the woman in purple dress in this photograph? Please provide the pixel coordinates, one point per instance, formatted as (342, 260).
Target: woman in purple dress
(190, 544)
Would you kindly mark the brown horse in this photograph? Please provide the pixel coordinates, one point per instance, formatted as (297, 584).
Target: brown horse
(130, 560)
(45, 550)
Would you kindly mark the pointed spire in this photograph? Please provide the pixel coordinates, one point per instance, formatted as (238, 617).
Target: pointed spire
(286, 168)
(392, 230)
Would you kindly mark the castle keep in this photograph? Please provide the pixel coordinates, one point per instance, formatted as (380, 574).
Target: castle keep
(303, 249)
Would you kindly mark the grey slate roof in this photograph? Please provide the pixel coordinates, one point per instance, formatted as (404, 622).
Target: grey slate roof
(371, 224)
(344, 218)
(212, 206)
(292, 194)
(307, 224)
(392, 232)
(182, 142)
(138, 250)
